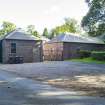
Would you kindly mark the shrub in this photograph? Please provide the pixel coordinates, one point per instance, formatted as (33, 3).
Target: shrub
(98, 55)
(84, 53)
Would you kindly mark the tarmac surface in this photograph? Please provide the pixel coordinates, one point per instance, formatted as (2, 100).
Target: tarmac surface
(16, 90)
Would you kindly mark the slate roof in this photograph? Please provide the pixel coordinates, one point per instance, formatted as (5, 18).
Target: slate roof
(70, 37)
(19, 35)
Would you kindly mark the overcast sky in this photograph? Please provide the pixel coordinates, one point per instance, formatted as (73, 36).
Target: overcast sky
(41, 13)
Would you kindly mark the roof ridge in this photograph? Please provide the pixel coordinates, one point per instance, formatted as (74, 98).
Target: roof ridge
(75, 38)
(10, 33)
(19, 35)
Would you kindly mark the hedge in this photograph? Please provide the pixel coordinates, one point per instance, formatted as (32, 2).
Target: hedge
(98, 55)
(84, 53)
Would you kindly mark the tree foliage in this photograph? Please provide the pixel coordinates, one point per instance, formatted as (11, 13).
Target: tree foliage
(7, 27)
(52, 34)
(70, 25)
(31, 30)
(94, 22)
(45, 33)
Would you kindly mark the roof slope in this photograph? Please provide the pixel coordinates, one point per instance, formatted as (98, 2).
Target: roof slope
(19, 35)
(76, 38)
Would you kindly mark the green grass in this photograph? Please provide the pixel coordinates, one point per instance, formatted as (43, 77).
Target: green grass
(88, 60)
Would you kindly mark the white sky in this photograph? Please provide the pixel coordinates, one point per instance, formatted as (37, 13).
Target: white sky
(41, 13)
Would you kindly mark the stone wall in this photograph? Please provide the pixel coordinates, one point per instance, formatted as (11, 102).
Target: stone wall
(71, 49)
(29, 50)
(53, 51)
(68, 50)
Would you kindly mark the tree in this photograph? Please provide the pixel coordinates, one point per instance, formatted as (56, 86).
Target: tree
(31, 30)
(52, 34)
(35, 33)
(70, 25)
(45, 33)
(7, 27)
(94, 22)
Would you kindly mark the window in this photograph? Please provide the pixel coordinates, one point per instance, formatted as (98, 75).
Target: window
(13, 47)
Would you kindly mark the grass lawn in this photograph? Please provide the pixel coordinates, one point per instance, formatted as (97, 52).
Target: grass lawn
(88, 60)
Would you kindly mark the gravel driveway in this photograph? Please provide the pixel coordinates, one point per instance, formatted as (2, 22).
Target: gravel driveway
(16, 90)
(54, 69)
(88, 77)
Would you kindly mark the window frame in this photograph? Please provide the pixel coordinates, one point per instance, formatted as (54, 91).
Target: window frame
(13, 48)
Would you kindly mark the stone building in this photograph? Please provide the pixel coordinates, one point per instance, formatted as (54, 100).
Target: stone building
(66, 46)
(18, 47)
